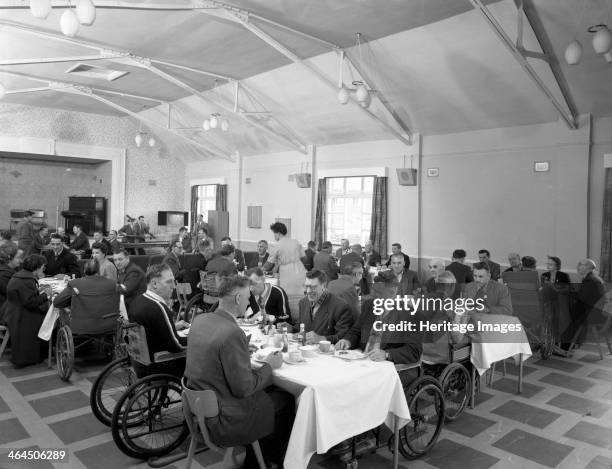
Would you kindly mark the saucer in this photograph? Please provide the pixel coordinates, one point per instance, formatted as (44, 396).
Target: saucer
(291, 362)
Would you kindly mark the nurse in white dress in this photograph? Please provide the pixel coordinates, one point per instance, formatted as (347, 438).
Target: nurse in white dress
(288, 257)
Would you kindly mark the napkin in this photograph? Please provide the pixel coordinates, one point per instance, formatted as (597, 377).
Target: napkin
(46, 329)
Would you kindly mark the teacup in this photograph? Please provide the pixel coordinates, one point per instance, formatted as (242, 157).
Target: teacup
(295, 356)
(308, 351)
(325, 346)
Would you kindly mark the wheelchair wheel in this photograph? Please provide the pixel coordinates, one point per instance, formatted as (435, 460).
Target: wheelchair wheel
(148, 421)
(194, 307)
(64, 352)
(426, 405)
(119, 345)
(457, 387)
(108, 388)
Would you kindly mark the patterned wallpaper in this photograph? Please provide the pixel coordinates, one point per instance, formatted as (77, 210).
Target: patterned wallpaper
(155, 177)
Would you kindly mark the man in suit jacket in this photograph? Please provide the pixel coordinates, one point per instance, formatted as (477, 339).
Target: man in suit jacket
(60, 260)
(200, 224)
(408, 280)
(493, 267)
(173, 260)
(309, 253)
(267, 298)
(40, 241)
(396, 248)
(514, 259)
(435, 267)
(261, 258)
(344, 249)
(324, 262)
(370, 256)
(588, 300)
(325, 316)
(238, 255)
(25, 232)
(222, 263)
(218, 359)
(495, 295)
(151, 311)
(463, 274)
(98, 237)
(352, 257)
(91, 298)
(130, 277)
(80, 245)
(345, 287)
(114, 243)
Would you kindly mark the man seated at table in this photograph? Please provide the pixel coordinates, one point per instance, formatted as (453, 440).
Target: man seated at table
(370, 256)
(495, 296)
(529, 263)
(484, 257)
(396, 248)
(80, 245)
(261, 258)
(41, 240)
(324, 262)
(218, 359)
(514, 259)
(345, 287)
(309, 253)
(107, 268)
(91, 298)
(436, 267)
(352, 257)
(344, 249)
(60, 260)
(98, 237)
(463, 273)
(238, 255)
(266, 298)
(407, 279)
(114, 243)
(173, 260)
(130, 277)
(222, 263)
(325, 316)
(396, 347)
(62, 232)
(150, 310)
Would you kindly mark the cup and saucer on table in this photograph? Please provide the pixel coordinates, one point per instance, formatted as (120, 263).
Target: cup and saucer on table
(326, 347)
(294, 357)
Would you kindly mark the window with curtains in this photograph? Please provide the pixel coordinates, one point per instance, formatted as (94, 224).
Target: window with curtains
(349, 208)
(206, 199)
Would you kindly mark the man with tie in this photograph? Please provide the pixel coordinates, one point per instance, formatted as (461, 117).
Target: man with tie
(396, 248)
(267, 299)
(324, 316)
(495, 296)
(151, 311)
(130, 277)
(60, 260)
(200, 225)
(407, 279)
(493, 267)
(344, 249)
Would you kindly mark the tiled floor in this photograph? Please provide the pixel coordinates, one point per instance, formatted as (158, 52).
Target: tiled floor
(562, 420)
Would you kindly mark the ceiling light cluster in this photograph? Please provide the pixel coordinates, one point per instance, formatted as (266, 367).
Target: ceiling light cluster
(602, 43)
(140, 138)
(70, 21)
(362, 94)
(214, 122)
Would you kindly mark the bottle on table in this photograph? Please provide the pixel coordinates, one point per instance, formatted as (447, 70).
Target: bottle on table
(285, 341)
(301, 337)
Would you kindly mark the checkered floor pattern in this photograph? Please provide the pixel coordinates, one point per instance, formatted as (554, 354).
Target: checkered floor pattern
(563, 419)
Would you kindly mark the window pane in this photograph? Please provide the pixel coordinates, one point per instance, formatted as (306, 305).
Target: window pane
(368, 185)
(335, 185)
(353, 185)
(337, 204)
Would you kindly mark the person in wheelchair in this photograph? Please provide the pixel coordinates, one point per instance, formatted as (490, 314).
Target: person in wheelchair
(151, 311)
(91, 298)
(267, 299)
(398, 347)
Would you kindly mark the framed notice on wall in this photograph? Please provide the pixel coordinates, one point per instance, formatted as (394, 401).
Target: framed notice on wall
(287, 222)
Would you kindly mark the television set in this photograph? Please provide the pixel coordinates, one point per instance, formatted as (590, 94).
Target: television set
(172, 218)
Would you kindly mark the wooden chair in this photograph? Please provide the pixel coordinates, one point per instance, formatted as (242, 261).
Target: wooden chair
(4, 337)
(197, 407)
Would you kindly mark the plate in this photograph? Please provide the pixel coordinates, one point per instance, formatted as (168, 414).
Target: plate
(291, 362)
(350, 354)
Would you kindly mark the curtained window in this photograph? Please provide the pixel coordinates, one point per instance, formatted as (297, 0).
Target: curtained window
(606, 230)
(378, 228)
(221, 197)
(320, 216)
(349, 209)
(203, 199)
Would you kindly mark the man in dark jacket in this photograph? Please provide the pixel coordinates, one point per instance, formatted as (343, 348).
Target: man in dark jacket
(370, 256)
(80, 245)
(218, 359)
(463, 274)
(309, 254)
(222, 263)
(11, 259)
(324, 262)
(238, 255)
(325, 316)
(130, 277)
(60, 260)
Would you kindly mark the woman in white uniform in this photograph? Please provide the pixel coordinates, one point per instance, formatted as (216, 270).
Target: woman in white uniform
(288, 257)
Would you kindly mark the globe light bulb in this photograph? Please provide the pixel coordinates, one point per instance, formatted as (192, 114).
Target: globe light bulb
(224, 125)
(151, 142)
(206, 125)
(86, 12)
(40, 8)
(573, 52)
(214, 122)
(602, 41)
(69, 23)
(138, 140)
(343, 95)
(362, 93)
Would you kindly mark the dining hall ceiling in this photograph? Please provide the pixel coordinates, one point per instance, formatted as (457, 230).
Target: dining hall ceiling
(435, 66)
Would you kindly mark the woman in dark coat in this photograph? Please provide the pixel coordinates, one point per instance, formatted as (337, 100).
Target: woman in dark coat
(10, 260)
(25, 311)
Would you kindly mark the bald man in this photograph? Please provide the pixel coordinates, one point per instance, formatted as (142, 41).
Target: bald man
(586, 307)
(436, 267)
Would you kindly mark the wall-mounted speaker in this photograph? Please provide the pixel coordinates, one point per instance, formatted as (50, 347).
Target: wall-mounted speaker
(406, 176)
(303, 180)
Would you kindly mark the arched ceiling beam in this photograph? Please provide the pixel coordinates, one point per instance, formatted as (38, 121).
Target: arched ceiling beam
(565, 110)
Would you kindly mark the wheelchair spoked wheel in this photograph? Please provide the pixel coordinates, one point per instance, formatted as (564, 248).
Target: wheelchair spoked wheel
(456, 386)
(426, 405)
(119, 345)
(64, 352)
(108, 388)
(148, 421)
(194, 307)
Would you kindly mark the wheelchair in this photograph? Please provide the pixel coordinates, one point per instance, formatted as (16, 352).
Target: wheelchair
(147, 419)
(454, 378)
(83, 330)
(204, 301)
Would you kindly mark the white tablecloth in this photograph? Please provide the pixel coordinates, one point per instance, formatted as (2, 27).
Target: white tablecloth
(491, 347)
(337, 400)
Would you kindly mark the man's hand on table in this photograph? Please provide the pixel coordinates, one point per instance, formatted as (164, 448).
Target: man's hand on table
(313, 338)
(377, 355)
(343, 344)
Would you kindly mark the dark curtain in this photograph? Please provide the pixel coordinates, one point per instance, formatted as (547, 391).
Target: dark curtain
(222, 197)
(320, 218)
(194, 207)
(606, 230)
(378, 228)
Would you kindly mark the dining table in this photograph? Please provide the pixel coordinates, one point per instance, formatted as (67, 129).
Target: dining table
(336, 399)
